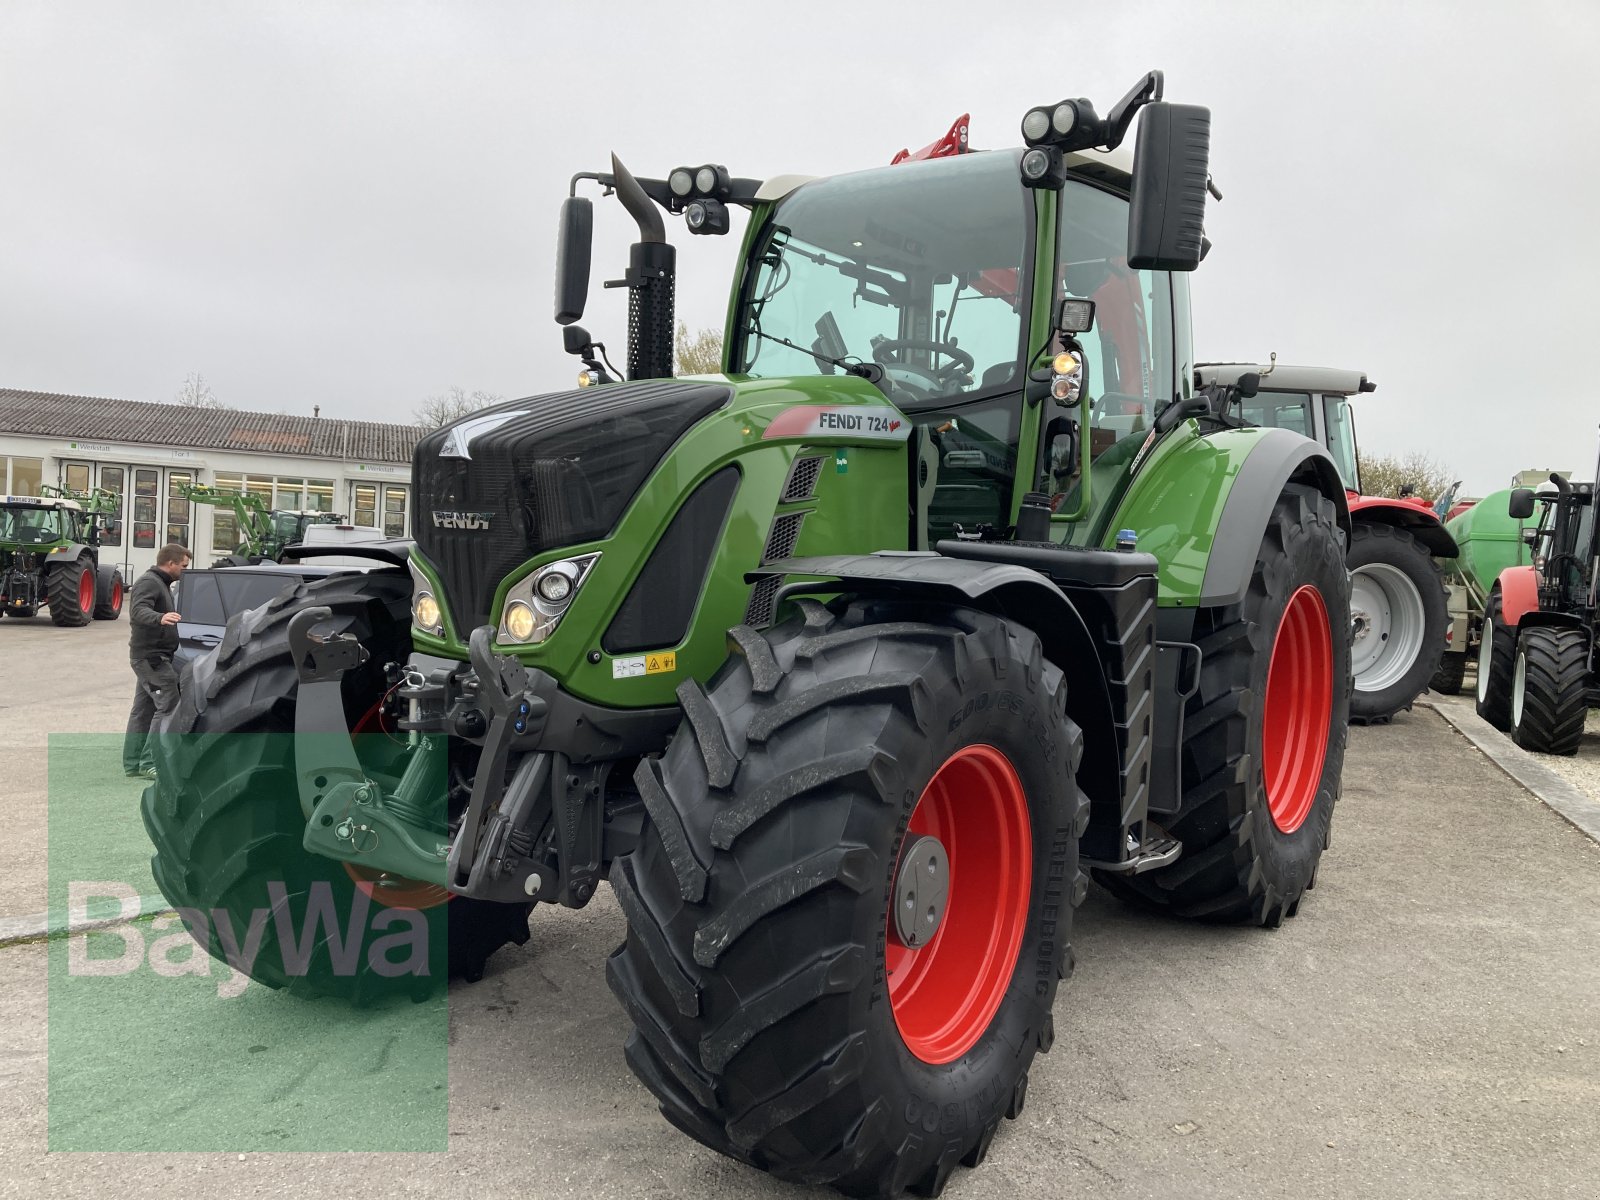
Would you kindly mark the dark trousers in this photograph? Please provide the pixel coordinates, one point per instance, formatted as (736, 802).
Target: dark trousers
(154, 695)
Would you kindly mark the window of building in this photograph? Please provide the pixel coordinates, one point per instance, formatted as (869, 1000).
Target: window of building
(25, 475)
(178, 507)
(77, 477)
(146, 495)
(319, 494)
(394, 512)
(112, 479)
(288, 493)
(365, 508)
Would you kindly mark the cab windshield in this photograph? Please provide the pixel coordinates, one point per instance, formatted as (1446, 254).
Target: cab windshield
(29, 525)
(922, 267)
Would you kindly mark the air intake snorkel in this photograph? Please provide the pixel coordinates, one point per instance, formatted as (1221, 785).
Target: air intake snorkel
(651, 279)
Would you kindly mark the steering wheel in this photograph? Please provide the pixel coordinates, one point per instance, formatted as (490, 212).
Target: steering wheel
(939, 379)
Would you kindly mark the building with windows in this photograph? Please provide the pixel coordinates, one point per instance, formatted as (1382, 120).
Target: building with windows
(144, 452)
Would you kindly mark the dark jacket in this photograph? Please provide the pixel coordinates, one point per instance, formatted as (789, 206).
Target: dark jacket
(151, 596)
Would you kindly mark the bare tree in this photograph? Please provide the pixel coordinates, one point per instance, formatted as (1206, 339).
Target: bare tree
(451, 406)
(698, 353)
(197, 393)
(1386, 475)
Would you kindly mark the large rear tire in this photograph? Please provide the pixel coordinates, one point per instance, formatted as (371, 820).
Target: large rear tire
(1400, 613)
(108, 593)
(225, 817)
(1497, 657)
(1265, 732)
(1549, 689)
(780, 1015)
(71, 591)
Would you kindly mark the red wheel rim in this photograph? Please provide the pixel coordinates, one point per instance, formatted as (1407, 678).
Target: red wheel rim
(1299, 703)
(116, 595)
(944, 994)
(86, 591)
(391, 891)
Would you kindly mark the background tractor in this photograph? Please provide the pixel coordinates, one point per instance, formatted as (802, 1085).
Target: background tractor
(1536, 660)
(1490, 540)
(846, 666)
(1398, 547)
(50, 556)
(263, 531)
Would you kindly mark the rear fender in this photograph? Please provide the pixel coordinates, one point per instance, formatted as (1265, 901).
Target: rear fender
(1420, 523)
(68, 553)
(1519, 594)
(1277, 458)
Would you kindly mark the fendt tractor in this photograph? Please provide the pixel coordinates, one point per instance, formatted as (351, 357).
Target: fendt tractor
(50, 556)
(1400, 622)
(846, 667)
(263, 531)
(1537, 674)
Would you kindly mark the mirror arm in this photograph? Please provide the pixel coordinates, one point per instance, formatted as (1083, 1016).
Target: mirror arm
(1150, 88)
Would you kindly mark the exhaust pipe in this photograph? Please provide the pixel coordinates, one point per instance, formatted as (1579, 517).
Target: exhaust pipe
(651, 282)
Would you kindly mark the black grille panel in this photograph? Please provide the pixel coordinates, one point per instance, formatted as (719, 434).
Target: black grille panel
(558, 471)
(763, 596)
(802, 482)
(785, 533)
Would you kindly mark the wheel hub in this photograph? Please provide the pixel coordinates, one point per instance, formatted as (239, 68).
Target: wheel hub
(1360, 624)
(921, 889)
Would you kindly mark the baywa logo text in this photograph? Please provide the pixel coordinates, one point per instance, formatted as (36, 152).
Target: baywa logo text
(390, 943)
(461, 520)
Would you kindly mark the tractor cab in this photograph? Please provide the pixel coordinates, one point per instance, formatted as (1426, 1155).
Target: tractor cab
(35, 521)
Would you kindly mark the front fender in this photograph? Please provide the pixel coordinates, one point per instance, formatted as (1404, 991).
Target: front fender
(1519, 594)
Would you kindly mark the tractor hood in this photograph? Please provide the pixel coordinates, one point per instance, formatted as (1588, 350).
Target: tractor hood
(513, 481)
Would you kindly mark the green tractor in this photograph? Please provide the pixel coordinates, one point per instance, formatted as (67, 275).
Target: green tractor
(847, 667)
(50, 556)
(264, 531)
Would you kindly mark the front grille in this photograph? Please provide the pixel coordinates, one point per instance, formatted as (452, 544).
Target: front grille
(559, 470)
(802, 481)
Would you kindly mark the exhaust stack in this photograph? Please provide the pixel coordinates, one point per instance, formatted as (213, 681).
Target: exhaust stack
(651, 282)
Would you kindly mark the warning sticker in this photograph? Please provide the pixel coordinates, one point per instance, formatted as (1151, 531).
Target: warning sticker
(856, 422)
(644, 664)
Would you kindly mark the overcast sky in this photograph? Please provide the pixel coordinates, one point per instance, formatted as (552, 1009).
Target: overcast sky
(354, 205)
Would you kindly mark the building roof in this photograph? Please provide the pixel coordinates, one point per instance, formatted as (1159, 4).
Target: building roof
(91, 418)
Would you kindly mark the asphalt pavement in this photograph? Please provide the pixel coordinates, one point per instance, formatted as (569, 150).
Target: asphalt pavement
(1427, 1026)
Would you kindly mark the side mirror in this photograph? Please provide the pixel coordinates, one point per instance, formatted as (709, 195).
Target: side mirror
(1520, 506)
(1249, 384)
(573, 242)
(1167, 212)
(575, 340)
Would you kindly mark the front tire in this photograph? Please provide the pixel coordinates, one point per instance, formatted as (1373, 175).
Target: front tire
(1265, 732)
(1549, 685)
(71, 591)
(780, 1016)
(1497, 656)
(1400, 611)
(224, 814)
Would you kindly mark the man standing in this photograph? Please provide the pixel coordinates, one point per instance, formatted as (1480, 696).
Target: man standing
(151, 645)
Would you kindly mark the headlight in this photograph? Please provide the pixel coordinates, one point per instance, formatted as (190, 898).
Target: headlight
(681, 182)
(520, 621)
(427, 612)
(536, 603)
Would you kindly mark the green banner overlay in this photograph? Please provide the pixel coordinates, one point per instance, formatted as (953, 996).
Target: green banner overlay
(294, 1001)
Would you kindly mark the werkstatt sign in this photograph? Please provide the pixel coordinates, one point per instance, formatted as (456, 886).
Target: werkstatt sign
(131, 451)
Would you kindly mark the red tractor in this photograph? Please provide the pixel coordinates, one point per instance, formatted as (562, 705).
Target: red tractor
(1399, 620)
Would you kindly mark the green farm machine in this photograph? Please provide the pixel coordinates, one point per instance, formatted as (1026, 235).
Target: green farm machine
(847, 667)
(50, 556)
(263, 531)
(1537, 672)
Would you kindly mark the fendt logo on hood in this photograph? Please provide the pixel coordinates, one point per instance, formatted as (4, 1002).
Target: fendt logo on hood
(461, 520)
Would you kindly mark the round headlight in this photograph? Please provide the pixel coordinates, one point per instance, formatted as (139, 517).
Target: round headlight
(587, 378)
(681, 182)
(427, 612)
(1035, 125)
(554, 587)
(1035, 164)
(1063, 119)
(1065, 363)
(519, 621)
(1064, 388)
(695, 214)
(705, 180)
